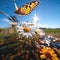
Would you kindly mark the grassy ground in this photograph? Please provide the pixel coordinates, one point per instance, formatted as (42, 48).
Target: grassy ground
(53, 32)
(6, 32)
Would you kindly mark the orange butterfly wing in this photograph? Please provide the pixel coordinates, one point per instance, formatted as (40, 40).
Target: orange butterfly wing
(34, 4)
(26, 9)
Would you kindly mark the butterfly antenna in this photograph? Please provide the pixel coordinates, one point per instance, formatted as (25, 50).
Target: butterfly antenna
(15, 5)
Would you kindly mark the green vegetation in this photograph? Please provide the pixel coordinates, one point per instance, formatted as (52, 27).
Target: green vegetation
(7, 32)
(1, 34)
(51, 30)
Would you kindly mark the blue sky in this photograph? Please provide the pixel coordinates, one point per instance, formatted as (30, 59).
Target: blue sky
(48, 12)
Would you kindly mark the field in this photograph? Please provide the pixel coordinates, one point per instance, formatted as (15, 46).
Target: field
(21, 48)
(7, 32)
(52, 32)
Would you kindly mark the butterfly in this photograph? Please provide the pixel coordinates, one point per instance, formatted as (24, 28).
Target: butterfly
(27, 8)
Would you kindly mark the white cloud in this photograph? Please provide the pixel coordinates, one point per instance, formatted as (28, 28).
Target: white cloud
(35, 19)
(6, 20)
(37, 24)
(42, 25)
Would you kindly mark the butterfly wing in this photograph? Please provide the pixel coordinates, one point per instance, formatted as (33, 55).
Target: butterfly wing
(27, 8)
